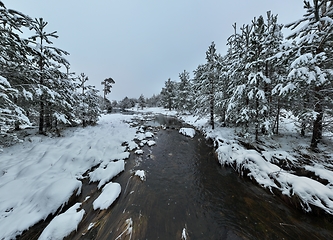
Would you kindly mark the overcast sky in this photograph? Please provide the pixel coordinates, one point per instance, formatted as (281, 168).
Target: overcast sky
(142, 43)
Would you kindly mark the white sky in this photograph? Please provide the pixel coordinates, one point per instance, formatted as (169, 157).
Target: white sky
(142, 43)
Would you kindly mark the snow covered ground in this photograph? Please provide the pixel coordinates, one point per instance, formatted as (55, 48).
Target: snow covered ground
(41, 174)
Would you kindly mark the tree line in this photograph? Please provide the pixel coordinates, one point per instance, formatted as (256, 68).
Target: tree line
(36, 85)
(264, 75)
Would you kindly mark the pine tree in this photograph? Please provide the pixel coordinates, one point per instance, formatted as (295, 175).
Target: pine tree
(310, 72)
(205, 84)
(168, 94)
(252, 68)
(142, 101)
(48, 60)
(107, 83)
(184, 98)
(12, 62)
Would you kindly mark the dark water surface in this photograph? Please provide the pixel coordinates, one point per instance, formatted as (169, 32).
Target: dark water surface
(187, 192)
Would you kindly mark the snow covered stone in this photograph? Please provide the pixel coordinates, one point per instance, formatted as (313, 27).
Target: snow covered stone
(63, 224)
(110, 193)
(151, 143)
(149, 134)
(141, 174)
(139, 152)
(190, 132)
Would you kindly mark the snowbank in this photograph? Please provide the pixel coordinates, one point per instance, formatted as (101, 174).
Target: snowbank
(190, 132)
(63, 224)
(38, 176)
(110, 193)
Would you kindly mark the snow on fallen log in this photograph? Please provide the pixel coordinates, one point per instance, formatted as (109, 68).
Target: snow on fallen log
(268, 175)
(63, 224)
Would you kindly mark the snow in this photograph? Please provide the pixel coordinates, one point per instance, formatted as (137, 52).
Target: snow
(38, 176)
(110, 193)
(151, 143)
(105, 174)
(190, 132)
(139, 152)
(141, 174)
(63, 224)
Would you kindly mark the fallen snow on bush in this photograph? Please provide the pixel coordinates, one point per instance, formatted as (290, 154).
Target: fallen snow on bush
(37, 177)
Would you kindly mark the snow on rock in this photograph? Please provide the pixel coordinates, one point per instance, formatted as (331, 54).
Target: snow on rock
(38, 176)
(105, 174)
(189, 132)
(63, 224)
(151, 143)
(139, 152)
(149, 134)
(110, 193)
(141, 174)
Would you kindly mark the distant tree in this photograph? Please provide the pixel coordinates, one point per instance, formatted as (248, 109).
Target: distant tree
(114, 104)
(168, 94)
(142, 101)
(125, 103)
(154, 101)
(88, 108)
(107, 83)
(184, 98)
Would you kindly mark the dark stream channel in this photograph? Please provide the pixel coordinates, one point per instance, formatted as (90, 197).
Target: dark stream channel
(186, 188)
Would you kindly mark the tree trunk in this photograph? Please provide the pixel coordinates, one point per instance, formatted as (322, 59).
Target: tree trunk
(318, 122)
(41, 117)
(317, 127)
(212, 93)
(41, 82)
(212, 111)
(277, 118)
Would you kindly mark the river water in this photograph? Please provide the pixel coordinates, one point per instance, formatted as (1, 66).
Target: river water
(188, 195)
